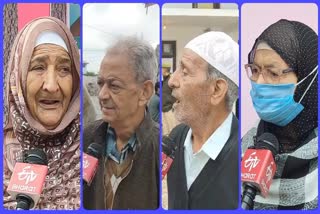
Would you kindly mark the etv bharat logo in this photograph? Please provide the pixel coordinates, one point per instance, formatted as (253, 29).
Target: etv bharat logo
(269, 172)
(251, 162)
(85, 163)
(27, 174)
(164, 165)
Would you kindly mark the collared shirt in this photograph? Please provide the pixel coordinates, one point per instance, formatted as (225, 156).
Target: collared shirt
(111, 148)
(194, 162)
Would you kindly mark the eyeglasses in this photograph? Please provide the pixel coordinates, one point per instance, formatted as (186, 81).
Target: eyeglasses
(270, 75)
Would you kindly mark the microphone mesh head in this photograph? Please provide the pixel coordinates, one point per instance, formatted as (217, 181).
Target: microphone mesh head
(95, 150)
(267, 141)
(36, 156)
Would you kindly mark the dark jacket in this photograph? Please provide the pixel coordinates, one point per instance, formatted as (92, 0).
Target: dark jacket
(140, 189)
(167, 98)
(216, 187)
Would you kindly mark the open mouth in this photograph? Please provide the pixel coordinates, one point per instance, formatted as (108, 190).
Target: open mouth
(49, 104)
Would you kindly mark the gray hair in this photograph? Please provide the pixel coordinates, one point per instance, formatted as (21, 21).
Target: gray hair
(141, 57)
(232, 93)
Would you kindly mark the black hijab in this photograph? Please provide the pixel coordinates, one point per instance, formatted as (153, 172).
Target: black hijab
(297, 44)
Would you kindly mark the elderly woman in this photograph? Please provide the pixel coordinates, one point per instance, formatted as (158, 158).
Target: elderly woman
(283, 69)
(43, 102)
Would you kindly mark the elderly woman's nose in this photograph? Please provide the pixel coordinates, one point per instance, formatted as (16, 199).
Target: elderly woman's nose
(51, 80)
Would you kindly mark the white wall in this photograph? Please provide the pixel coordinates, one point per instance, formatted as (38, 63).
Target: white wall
(189, 5)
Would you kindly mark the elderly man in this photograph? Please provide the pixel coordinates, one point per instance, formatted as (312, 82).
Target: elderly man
(128, 173)
(204, 174)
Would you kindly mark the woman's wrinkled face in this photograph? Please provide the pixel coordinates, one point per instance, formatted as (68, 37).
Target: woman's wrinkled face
(49, 84)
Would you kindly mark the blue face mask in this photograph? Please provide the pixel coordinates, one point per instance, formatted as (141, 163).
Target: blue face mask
(275, 103)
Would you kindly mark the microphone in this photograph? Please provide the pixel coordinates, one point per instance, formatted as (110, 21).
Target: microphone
(258, 168)
(90, 162)
(27, 179)
(168, 151)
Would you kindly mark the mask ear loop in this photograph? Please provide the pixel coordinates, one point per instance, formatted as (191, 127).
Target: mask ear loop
(307, 76)
(310, 83)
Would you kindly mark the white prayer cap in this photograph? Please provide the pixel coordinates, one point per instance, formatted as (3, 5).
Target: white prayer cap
(50, 37)
(220, 51)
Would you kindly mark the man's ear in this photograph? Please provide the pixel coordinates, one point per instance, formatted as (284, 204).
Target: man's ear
(146, 92)
(220, 89)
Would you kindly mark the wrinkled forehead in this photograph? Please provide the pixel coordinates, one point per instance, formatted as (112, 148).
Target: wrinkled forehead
(51, 49)
(116, 65)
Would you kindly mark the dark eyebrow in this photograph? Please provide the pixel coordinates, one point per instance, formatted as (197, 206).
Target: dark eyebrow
(269, 66)
(62, 59)
(266, 66)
